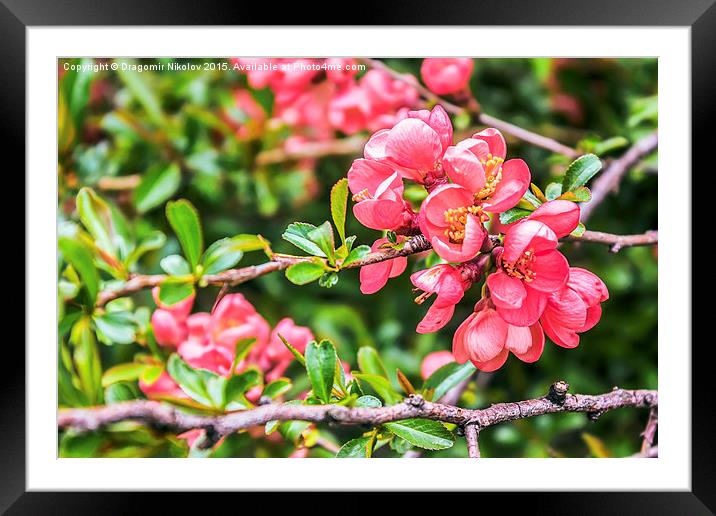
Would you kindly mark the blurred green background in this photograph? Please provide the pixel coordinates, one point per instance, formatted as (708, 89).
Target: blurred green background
(116, 128)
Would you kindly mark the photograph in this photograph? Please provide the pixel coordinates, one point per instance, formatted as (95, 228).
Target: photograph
(357, 257)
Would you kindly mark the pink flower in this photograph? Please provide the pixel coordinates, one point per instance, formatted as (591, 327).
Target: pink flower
(434, 361)
(378, 192)
(486, 339)
(340, 70)
(575, 308)
(374, 277)
(234, 319)
(446, 75)
(478, 164)
(275, 357)
(415, 145)
(529, 269)
(448, 283)
(349, 110)
(452, 222)
(169, 321)
(387, 94)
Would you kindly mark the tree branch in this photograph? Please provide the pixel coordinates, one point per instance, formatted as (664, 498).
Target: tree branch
(169, 418)
(415, 244)
(474, 110)
(609, 180)
(311, 150)
(472, 434)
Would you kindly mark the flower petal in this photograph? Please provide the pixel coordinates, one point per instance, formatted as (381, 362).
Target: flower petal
(551, 272)
(530, 311)
(560, 215)
(413, 143)
(463, 168)
(436, 318)
(527, 343)
(514, 183)
(373, 277)
(529, 234)
(506, 291)
(495, 141)
(379, 213)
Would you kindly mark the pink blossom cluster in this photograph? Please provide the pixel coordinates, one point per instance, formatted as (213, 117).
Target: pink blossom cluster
(530, 287)
(320, 96)
(208, 340)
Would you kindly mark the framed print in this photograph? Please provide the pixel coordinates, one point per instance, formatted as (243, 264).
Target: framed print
(359, 257)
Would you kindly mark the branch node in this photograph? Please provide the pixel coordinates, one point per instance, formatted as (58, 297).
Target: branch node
(415, 400)
(558, 392)
(595, 415)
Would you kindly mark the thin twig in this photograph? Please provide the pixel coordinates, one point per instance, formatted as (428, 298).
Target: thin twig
(415, 244)
(472, 434)
(650, 431)
(312, 150)
(474, 110)
(610, 179)
(169, 418)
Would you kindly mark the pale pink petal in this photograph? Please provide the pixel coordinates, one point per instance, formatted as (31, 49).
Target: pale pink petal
(529, 313)
(379, 213)
(398, 266)
(443, 198)
(413, 143)
(560, 335)
(374, 277)
(567, 309)
(463, 168)
(526, 235)
(588, 285)
(514, 183)
(495, 140)
(506, 291)
(375, 147)
(435, 318)
(168, 331)
(459, 343)
(551, 272)
(594, 313)
(561, 216)
(527, 343)
(434, 361)
(440, 122)
(479, 148)
(493, 364)
(487, 338)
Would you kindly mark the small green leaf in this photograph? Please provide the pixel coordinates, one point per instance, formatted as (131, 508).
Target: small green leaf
(276, 388)
(447, 377)
(139, 88)
(297, 233)
(537, 192)
(237, 386)
(339, 204)
(246, 243)
(189, 379)
(322, 236)
(610, 144)
(304, 272)
(579, 194)
(321, 367)
(381, 386)
(116, 327)
(513, 215)
(580, 171)
(123, 373)
(119, 392)
(171, 292)
(356, 448)
(151, 374)
(579, 230)
(243, 347)
(423, 433)
(368, 401)
(158, 185)
(152, 241)
(184, 220)
(328, 279)
(296, 353)
(369, 361)
(96, 216)
(80, 258)
(356, 254)
(87, 360)
(175, 265)
(221, 255)
(553, 191)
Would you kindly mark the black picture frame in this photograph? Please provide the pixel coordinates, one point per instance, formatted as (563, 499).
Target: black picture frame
(17, 15)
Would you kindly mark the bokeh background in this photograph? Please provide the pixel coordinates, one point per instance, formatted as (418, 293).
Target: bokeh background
(116, 128)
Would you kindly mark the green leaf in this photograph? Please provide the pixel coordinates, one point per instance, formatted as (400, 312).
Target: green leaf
(610, 144)
(369, 361)
(158, 185)
(242, 349)
(297, 233)
(356, 448)
(245, 242)
(152, 241)
(580, 171)
(73, 445)
(339, 204)
(276, 388)
(423, 433)
(175, 265)
(579, 194)
(321, 367)
(151, 374)
(304, 272)
(189, 379)
(296, 353)
(579, 230)
(116, 327)
(368, 401)
(184, 220)
(322, 236)
(537, 192)
(381, 386)
(447, 377)
(237, 386)
(328, 279)
(356, 254)
(143, 92)
(96, 217)
(513, 215)
(80, 258)
(171, 292)
(119, 392)
(553, 191)
(87, 360)
(221, 255)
